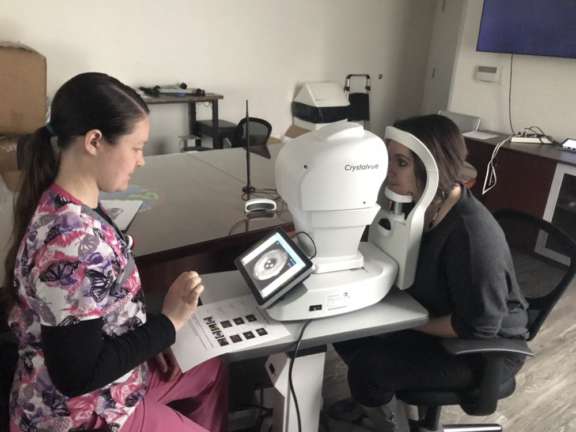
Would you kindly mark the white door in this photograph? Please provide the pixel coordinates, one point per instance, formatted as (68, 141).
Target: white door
(442, 54)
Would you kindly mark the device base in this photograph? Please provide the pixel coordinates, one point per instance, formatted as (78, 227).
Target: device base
(329, 294)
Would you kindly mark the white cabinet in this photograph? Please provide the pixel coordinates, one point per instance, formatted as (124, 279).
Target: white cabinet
(560, 209)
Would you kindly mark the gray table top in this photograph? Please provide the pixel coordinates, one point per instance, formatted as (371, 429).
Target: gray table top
(398, 311)
(233, 162)
(199, 199)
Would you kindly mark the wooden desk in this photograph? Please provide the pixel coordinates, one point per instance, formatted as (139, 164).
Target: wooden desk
(191, 101)
(198, 221)
(525, 173)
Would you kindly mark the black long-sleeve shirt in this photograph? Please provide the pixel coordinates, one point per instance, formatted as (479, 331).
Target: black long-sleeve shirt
(81, 357)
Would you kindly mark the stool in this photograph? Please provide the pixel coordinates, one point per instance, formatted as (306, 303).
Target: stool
(204, 127)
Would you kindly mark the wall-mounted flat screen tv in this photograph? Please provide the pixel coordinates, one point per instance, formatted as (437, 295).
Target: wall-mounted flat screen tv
(535, 27)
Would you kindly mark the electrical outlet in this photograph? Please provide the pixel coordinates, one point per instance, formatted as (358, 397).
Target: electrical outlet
(487, 73)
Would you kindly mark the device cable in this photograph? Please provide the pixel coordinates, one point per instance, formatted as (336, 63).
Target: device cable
(311, 240)
(291, 384)
(510, 96)
(490, 178)
(540, 134)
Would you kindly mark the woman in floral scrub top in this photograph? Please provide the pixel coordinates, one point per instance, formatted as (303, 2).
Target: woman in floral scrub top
(75, 303)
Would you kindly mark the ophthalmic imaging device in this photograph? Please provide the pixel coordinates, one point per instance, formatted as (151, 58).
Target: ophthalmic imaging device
(330, 180)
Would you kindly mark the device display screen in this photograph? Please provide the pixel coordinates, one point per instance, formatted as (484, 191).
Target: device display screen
(569, 144)
(273, 266)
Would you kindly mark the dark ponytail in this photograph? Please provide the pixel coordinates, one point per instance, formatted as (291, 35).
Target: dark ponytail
(86, 102)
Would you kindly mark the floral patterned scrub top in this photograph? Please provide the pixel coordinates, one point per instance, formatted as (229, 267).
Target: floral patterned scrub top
(72, 265)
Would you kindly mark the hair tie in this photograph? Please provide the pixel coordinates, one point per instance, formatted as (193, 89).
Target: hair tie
(50, 129)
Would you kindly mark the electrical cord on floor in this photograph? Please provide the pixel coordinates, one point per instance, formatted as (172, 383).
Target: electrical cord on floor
(292, 391)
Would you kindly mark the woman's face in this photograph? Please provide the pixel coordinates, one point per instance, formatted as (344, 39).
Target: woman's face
(401, 171)
(119, 161)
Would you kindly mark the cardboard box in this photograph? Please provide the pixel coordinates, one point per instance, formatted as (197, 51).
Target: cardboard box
(23, 89)
(294, 131)
(8, 155)
(12, 180)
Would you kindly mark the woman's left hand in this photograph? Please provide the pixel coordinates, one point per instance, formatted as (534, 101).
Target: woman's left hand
(167, 365)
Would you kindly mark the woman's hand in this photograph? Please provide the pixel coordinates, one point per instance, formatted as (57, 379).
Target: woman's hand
(166, 363)
(181, 301)
(441, 327)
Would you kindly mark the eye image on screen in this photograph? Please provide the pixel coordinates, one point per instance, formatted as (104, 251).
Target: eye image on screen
(270, 264)
(273, 267)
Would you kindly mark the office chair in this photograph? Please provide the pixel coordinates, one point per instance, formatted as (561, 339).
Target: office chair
(543, 281)
(224, 130)
(259, 130)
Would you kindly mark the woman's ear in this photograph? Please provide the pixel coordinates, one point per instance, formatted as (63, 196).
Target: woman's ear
(93, 140)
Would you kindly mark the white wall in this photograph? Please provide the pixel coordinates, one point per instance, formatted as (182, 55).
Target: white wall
(251, 49)
(543, 88)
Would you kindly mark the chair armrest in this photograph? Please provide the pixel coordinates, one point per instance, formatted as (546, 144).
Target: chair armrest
(485, 400)
(486, 346)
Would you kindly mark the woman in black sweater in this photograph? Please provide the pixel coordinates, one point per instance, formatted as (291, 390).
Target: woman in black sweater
(465, 279)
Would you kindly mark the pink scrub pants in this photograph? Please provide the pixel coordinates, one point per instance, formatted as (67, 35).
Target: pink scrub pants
(202, 395)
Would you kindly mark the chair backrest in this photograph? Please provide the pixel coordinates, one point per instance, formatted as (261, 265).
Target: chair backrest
(465, 122)
(542, 278)
(259, 130)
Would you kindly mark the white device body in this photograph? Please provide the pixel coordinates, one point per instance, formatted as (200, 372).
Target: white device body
(335, 293)
(401, 240)
(330, 180)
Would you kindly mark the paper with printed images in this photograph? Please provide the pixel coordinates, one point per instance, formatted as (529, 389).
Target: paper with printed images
(223, 327)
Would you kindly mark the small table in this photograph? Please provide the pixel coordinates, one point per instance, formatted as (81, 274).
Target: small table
(398, 311)
(191, 101)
